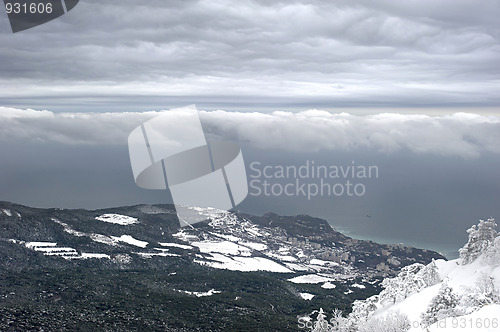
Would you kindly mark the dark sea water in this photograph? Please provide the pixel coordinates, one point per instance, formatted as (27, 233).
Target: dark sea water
(425, 201)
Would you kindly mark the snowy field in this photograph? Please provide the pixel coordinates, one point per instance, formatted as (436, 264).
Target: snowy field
(310, 279)
(117, 219)
(245, 264)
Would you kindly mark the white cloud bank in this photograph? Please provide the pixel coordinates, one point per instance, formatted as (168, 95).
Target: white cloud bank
(461, 134)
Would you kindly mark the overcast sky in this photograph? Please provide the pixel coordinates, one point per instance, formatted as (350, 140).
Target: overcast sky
(412, 87)
(219, 53)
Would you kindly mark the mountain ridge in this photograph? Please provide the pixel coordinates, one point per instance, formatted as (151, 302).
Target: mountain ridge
(157, 223)
(215, 276)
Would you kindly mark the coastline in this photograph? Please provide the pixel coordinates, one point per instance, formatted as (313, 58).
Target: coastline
(449, 251)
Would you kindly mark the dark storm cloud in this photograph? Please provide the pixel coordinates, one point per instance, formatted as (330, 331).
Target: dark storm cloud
(365, 52)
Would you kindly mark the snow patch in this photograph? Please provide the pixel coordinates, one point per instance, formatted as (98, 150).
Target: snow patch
(159, 254)
(358, 286)
(130, 240)
(176, 245)
(310, 279)
(86, 255)
(7, 212)
(51, 249)
(103, 239)
(254, 232)
(201, 294)
(328, 285)
(224, 247)
(244, 264)
(307, 296)
(321, 262)
(117, 219)
(182, 235)
(35, 245)
(68, 229)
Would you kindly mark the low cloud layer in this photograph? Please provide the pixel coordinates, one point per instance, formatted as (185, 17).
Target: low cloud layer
(460, 134)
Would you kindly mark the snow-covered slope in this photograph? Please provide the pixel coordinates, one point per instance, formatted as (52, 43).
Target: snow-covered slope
(474, 305)
(458, 295)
